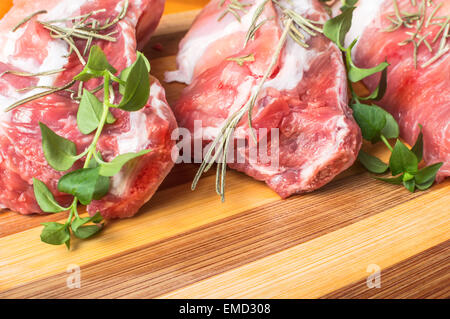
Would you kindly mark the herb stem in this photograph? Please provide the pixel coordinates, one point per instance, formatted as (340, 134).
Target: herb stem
(386, 142)
(92, 147)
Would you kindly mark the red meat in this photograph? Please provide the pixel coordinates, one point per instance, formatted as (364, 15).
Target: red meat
(31, 49)
(305, 97)
(415, 95)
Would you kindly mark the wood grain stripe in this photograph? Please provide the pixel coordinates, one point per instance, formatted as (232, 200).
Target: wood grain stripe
(337, 259)
(425, 275)
(11, 222)
(24, 258)
(223, 245)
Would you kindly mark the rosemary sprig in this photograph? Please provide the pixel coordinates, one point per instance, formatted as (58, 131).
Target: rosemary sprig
(295, 26)
(416, 39)
(27, 74)
(28, 19)
(254, 26)
(241, 60)
(443, 48)
(39, 95)
(82, 27)
(235, 7)
(222, 141)
(400, 19)
(299, 24)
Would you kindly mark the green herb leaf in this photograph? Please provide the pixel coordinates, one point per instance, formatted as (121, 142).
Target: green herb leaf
(403, 160)
(137, 88)
(425, 186)
(82, 183)
(356, 74)
(96, 66)
(103, 183)
(84, 232)
(371, 163)
(347, 4)
(380, 90)
(371, 120)
(55, 233)
(125, 72)
(81, 231)
(410, 185)
(428, 173)
(45, 199)
(407, 177)
(114, 167)
(394, 181)
(60, 153)
(90, 113)
(337, 28)
(391, 129)
(78, 222)
(418, 146)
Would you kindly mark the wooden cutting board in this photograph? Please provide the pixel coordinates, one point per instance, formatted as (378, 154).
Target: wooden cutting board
(186, 244)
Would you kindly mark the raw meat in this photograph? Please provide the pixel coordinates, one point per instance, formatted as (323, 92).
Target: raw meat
(31, 49)
(305, 97)
(415, 95)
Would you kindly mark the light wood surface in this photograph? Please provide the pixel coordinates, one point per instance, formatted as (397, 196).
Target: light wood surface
(188, 244)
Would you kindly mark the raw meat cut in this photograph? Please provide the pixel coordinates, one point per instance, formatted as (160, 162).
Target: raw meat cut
(31, 49)
(305, 97)
(414, 95)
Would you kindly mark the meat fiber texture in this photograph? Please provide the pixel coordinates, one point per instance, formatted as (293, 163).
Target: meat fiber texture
(31, 49)
(305, 97)
(414, 96)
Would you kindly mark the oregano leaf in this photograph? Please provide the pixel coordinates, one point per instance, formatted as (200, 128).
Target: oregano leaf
(403, 160)
(114, 167)
(45, 198)
(55, 233)
(59, 152)
(371, 163)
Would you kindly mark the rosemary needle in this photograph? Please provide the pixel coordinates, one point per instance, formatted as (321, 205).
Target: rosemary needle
(28, 19)
(226, 133)
(39, 95)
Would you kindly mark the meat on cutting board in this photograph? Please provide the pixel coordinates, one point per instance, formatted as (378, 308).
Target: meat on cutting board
(417, 93)
(31, 49)
(305, 97)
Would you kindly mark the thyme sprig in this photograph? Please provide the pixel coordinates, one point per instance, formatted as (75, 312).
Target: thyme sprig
(92, 181)
(378, 125)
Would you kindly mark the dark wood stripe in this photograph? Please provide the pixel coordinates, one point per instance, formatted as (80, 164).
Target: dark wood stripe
(425, 275)
(164, 266)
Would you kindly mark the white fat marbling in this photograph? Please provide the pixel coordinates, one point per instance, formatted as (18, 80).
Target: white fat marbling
(136, 137)
(195, 47)
(342, 129)
(364, 14)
